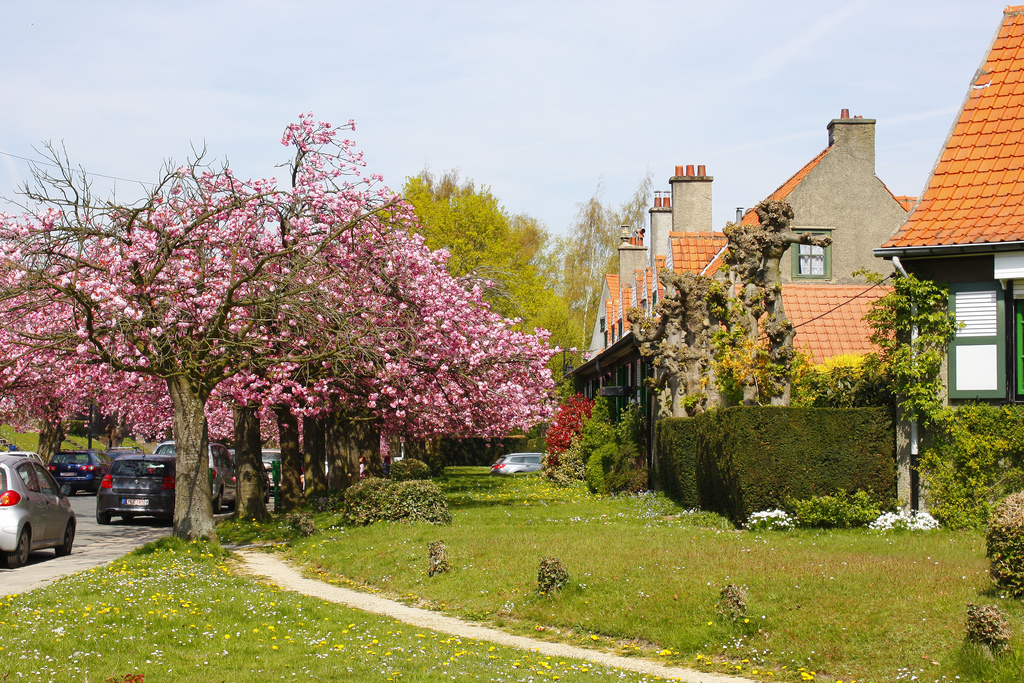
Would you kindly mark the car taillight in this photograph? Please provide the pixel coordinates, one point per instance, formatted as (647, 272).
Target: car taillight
(89, 468)
(168, 483)
(8, 498)
(233, 480)
(107, 483)
(497, 466)
(53, 468)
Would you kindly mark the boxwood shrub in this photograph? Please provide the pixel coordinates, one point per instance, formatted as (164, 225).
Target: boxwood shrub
(374, 499)
(408, 469)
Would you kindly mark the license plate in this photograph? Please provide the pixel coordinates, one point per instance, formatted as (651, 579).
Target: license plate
(134, 501)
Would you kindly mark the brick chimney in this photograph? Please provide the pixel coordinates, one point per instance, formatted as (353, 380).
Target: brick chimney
(632, 256)
(691, 200)
(855, 137)
(661, 225)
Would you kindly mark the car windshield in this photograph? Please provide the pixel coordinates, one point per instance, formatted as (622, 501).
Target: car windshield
(141, 468)
(70, 458)
(165, 449)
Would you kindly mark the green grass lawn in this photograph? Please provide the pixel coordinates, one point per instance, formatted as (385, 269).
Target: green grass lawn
(179, 613)
(645, 578)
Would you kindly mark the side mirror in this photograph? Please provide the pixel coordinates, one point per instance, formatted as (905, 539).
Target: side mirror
(65, 490)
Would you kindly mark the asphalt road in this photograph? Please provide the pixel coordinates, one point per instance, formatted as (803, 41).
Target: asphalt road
(94, 545)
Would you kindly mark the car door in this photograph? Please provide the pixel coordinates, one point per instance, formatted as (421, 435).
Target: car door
(38, 506)
(56, 511)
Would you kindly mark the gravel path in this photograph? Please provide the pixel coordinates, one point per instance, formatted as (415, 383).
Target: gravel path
(285, 576)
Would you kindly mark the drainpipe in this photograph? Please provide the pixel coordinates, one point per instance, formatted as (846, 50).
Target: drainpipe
(914, 441)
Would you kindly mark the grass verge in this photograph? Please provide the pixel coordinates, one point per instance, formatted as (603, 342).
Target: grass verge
(646, 576)
(173, 611)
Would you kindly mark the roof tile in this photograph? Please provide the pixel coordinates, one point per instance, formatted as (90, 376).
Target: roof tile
(829, 319)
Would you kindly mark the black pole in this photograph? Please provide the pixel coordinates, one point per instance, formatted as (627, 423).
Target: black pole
(89, 428)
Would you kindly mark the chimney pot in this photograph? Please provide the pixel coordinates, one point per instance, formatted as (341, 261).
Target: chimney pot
(667, 200)
(689, 169)
(657, 199)
(845, 114)
(679, 170)
(739, 214)
(701, 171)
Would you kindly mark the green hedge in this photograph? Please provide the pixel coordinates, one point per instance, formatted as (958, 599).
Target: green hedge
(677, 468)
(756, 458)
(476, 451)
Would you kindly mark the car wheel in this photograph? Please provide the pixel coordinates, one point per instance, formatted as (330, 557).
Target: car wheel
(19, 556)
(216, 504)
(102, 517)
(64, 549)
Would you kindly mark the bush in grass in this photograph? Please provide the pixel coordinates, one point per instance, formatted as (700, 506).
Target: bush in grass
(565, 468)
(987, 626)
(408, 469)
(302, 524)
(770, 520)
(976, 458)
(552, 575)
(904, 521)
(598, 465)
(732, 602)
(437, 558)
(1004, 544)
(568, 423)
(837, 511)
(376, 499)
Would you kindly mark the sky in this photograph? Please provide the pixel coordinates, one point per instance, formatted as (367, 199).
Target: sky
(547, 103)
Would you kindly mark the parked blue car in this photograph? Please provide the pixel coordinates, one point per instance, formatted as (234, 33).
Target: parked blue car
(79, 470)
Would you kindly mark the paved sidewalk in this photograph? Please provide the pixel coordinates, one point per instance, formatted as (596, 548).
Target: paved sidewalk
(285, 576)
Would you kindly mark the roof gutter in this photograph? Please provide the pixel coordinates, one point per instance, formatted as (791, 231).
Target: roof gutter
(948, 249)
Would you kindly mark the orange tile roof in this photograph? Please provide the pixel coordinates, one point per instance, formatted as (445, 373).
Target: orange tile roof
(829, 318)
(693, 252)
(906, 202)
(976, 191)
(750, 217)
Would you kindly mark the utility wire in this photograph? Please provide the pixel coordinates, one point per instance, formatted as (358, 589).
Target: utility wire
(856, 296)
(97, 175)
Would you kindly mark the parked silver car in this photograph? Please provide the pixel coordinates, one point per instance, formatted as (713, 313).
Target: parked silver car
(514, 463)
(33, 512)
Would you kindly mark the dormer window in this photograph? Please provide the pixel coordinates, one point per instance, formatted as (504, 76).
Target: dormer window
(811, 262)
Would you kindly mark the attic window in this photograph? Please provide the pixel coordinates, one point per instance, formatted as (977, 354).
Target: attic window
(811, 262)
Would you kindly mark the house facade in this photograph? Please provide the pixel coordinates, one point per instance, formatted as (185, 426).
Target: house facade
(836, 193)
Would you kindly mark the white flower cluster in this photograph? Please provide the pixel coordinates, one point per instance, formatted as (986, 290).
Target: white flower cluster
(909, 521)
(769, 520)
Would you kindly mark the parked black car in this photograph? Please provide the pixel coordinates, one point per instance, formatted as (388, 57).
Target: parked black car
(79, 470)
(137, 485)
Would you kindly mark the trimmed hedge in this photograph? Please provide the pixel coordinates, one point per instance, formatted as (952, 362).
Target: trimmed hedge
(374, 499)
(677, 464)
(408, 469)
(748, 459)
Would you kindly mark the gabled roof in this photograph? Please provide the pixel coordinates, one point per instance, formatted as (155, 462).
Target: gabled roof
(976, 191)
(750, 217)
(829, 319)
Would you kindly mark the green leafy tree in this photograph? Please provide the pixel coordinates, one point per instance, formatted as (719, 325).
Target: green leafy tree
(504, 252)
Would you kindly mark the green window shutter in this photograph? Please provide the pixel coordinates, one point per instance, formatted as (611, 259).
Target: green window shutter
(977, 354)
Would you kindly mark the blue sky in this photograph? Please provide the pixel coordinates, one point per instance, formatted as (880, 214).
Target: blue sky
(539, 100)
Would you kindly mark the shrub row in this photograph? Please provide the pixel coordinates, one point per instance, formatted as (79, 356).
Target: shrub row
(758, 458)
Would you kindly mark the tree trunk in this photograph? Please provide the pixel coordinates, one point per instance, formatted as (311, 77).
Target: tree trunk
(51, 436)
(193, 507)
(313, 456)
(339, 476)
(249, 466)
(291, 459)
(364, 441)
